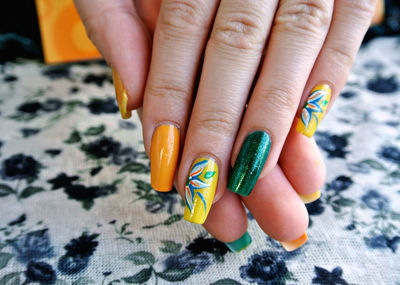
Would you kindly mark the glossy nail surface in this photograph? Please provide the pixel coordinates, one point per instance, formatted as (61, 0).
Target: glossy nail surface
(314, 110)
(239, 244)
(249, 163)
(164, 153)
(310, 197)
(122, 96)
(200, 189)
(295, 244)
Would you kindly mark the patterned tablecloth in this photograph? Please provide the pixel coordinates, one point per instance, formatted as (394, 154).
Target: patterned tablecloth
(76, 206)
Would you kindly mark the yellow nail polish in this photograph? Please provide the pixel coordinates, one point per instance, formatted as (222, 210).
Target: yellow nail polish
(309, 198)
(200, 189)
(314, 109)
(295, 244)
(122, 96)
(164, 151)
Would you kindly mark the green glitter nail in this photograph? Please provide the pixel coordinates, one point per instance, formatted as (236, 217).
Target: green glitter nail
(249, 163)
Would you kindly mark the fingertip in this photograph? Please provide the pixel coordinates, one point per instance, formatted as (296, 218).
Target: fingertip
(277, 208)
(302, 163)
(227, 220)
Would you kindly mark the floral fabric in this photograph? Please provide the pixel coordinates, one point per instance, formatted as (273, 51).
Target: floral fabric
(76, 206)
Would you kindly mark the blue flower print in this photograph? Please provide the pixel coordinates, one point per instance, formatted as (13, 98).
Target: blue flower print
(375, 201)
(99, 106)
(382, 241)
(101, 148)
(33, 245)
(315, 208)
(210, 245)
(265, 268)
(340, 183)
(40, 272)
(390, 153)
(62, 180)
(334, 145)
(325, 277)
(187, 259)
(383, 85)
(78, 254)
(20, 166)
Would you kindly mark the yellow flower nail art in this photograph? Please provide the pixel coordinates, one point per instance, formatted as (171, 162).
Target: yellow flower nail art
(200, 189)
(122, 96)
(314, 110)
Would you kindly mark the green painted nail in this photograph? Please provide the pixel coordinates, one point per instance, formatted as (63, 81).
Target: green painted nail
(239, 244)
(249, 163)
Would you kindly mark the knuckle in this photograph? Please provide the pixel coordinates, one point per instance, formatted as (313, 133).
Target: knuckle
(216, 122)
(339, 55)
(185, 15)
(280, 100)
(170, 92)
(242, 30)
(305, 16)
(361, 8)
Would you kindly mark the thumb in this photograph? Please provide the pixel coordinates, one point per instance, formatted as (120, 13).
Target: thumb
(124, 42)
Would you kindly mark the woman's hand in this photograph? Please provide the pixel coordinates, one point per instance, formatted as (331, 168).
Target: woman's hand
(310, 49)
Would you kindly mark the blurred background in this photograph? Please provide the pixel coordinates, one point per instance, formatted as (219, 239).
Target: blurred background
(20, 35)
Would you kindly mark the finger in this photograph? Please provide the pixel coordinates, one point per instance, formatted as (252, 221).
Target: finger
(181, 32)
(227, 222)
(302, 163)
(148, 11)
(297, 36)
(231, 61)
(350, 22)
(123, 41)
(278, 209)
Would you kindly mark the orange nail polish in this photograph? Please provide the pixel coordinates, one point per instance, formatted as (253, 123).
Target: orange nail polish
(164, 151)
(294, 244)
(122, 96)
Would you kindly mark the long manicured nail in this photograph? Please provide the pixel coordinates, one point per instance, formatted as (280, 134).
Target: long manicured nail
(164, 151)
(309, 198)
(295, 244)
(239, 244)
(122, 96)
(314, 110)
(249, 163)
(200, 189)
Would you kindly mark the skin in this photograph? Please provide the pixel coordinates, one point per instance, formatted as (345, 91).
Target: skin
(159, 50)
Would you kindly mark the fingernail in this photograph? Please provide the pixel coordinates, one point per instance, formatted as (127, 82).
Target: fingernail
(249, 163)
(295, 244)
(122, 96)
(314, 109)
(309, 198)
(200, 189)
(239, 244)
(164, 152)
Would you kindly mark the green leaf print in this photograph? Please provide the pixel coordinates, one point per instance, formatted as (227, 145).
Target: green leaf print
(141, 257)
(140, 277)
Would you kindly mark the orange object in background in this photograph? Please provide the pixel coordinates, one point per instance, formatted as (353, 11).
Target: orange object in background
(379, 13)
(63, 35)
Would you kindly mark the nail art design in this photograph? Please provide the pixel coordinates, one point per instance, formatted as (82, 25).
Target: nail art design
(249, 163)
(314, 109)
(240, 244)
(200, 189)
(164, 151)
(122, 96)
